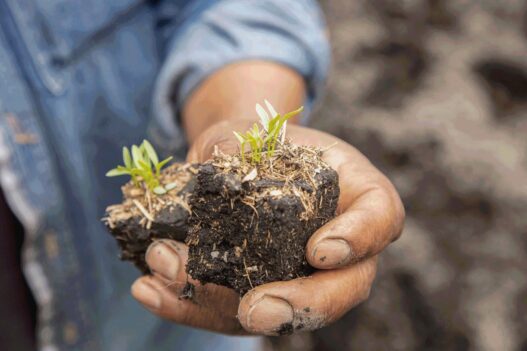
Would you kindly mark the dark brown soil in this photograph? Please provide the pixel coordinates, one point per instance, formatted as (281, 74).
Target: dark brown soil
(245, 225)
(143, 217)
(250, 225)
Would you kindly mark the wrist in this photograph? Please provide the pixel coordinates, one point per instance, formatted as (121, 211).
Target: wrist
(230, 94)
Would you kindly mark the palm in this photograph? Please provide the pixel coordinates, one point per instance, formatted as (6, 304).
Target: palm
(370, 216)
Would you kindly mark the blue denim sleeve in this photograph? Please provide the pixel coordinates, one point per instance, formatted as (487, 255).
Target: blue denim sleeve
(289, 32)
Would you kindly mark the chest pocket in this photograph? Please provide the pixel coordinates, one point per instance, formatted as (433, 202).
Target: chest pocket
(56, 32)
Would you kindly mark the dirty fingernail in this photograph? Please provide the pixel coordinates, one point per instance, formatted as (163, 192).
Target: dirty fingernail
(163, 260)
(147, 295)
(332, 253)
(269, 315)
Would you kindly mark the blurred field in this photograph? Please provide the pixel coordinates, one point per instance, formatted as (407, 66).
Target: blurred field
(435, 93)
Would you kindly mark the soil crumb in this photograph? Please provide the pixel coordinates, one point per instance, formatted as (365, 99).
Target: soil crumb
(250, 224)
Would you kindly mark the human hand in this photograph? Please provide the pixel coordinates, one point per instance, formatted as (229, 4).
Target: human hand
(370, 215)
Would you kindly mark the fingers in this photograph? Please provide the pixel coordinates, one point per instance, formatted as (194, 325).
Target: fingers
(372, 217)
(306, 303)
(275, 308)
(152, 293)
(167, 260)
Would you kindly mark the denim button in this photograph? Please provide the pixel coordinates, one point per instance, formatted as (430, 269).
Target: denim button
(70, 333)
(51, 244)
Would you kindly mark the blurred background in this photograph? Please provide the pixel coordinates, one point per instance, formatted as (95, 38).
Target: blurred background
(434, 92)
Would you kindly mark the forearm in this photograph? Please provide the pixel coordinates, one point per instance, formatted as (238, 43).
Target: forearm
(233, 91)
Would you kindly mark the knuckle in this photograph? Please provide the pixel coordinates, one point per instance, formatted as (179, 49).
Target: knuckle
(184, 315)
(400, 211)
(329, 309)
(395, 213)
(368, 271)
(400, 215)
(368, 274)
(397, 235)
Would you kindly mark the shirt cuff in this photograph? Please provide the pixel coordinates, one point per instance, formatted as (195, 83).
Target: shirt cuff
(291, 33)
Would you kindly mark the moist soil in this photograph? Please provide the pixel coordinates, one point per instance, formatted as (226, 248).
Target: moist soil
(143, 217)
(245, 225)
(250, 224)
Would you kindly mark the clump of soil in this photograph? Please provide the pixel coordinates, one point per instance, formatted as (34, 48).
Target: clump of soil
(250, 224)
(143, 216)
(245, 224)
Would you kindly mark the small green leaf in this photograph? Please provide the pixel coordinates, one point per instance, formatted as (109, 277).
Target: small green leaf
(144, 154)
(242, 150)
(273, 123)
(116, 172)
(159, 190)
(264, 117)
(127, 158)
(238, 136)
(271, 109)
(136, 172)
(256, 130)
(170, 186)
(162, 163)
(150, 152)
(137, 155)
(292, 113)
(145, 166)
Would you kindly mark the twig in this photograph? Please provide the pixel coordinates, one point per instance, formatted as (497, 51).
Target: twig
(143, 210)
(247, 273)
(149, 201)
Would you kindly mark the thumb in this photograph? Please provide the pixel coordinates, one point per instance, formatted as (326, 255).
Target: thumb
(219, 135)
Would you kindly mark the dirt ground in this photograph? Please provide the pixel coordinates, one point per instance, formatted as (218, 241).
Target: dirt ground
(435, 93)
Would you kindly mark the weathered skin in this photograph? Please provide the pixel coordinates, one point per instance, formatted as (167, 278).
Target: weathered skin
(343, 252)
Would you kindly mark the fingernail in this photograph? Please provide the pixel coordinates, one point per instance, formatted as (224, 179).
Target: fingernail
(269, 315)
(163, 260)
(147, 295)
(332, 253)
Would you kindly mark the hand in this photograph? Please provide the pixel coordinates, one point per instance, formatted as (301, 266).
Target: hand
(370, 216)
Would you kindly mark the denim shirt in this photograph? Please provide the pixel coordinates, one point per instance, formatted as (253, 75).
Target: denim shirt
(78, 80)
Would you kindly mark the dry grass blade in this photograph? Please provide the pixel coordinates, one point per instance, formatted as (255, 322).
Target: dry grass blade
(143, 210)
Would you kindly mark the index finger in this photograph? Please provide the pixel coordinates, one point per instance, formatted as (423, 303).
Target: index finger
(308, 303)
(371, 215)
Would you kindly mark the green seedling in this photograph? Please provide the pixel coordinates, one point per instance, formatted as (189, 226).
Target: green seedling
(253, 137)
(274, 128)
(142, 165)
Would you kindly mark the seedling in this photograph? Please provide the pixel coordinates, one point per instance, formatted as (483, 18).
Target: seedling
(274, 128)
(244, 225)
(143, 166)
